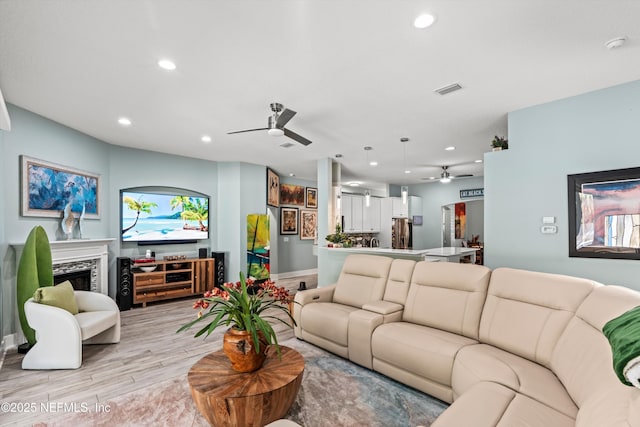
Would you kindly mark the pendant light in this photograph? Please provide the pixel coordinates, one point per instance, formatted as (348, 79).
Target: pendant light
(404, 189)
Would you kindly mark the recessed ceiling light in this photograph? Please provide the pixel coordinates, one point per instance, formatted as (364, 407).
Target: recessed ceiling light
(407, 171)
(205, 138)
(124, 121)
(478, 161)
(450, 148)
(424, 21)
(354, 184)
(166, 64)
(292, 174)
(373, 163)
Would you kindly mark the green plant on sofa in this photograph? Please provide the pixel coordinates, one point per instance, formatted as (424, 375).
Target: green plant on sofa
(35, 270)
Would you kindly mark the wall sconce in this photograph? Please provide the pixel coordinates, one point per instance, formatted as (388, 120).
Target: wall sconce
(367, 199)
(338, 202)
(405, 194)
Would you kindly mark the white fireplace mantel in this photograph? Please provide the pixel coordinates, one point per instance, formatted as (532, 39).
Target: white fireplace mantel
(65, 251)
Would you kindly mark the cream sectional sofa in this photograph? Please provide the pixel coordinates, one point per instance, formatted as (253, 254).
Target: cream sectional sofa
(505, 347)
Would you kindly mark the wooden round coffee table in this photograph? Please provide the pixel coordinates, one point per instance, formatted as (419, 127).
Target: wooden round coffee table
(229, 398)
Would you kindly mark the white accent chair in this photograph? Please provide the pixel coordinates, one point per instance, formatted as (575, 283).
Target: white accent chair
(60, 334)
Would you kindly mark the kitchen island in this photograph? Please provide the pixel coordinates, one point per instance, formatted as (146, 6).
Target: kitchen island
(329, 270)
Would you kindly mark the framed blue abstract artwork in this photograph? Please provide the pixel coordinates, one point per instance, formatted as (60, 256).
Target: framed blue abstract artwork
(46, 188)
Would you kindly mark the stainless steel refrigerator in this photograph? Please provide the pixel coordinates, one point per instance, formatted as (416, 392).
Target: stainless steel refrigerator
(401, 232)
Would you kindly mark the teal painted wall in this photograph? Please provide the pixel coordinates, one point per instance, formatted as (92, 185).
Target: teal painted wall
(295, 254)
(591, 132)
(434, 196)
(37, 137)
(236, 189)
(139, 168)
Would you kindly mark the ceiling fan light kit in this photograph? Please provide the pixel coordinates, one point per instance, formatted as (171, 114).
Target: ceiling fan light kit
(276, 123)
(275, 132)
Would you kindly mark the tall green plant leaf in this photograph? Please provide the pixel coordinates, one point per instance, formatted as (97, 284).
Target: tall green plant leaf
(35, 270)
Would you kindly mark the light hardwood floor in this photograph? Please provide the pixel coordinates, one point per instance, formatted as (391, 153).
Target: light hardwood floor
(150, 352)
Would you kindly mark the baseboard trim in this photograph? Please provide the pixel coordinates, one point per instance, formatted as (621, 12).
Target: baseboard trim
(9, 342)
(290, 274)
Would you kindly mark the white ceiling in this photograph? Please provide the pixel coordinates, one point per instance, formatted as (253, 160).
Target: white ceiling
(356, 71)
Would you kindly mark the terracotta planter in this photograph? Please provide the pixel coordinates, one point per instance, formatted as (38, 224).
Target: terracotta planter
(238, 347)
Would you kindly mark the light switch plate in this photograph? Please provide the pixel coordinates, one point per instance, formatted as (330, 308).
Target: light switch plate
(548, 219)
(549, 229)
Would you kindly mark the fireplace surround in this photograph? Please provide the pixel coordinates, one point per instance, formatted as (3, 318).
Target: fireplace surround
(76, 255)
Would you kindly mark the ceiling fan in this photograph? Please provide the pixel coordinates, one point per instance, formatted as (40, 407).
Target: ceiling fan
(446, 177)
(276, 123)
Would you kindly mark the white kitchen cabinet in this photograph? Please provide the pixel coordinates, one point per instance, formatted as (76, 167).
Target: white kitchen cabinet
(399, 209)
(371, 216)
(352, 213)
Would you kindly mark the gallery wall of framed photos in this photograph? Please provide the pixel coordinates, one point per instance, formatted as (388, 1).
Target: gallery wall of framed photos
(298, 206)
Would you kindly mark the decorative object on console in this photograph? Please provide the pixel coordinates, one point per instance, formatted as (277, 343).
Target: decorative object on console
(46, 188)
(623, 334)
(35, 270)
(81, 221)
(68, 221)
(174, 257)
(233, 305)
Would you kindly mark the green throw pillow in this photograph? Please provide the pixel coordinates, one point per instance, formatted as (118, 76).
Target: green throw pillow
(60, 296)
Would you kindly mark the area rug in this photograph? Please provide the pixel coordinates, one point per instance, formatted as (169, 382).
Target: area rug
(334, 392)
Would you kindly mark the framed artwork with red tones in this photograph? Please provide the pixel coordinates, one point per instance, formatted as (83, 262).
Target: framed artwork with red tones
(604, 214)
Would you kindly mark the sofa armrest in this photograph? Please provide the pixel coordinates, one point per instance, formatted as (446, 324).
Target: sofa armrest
(383, 307)
(324, 294)
(94, 301)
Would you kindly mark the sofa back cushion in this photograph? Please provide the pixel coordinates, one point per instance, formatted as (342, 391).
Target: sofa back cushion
(362, 279)
(582, 358)
(526, 311)
(399, 280)
(447, 296)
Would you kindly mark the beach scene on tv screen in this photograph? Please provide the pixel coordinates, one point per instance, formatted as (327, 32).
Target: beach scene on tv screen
(156, 217)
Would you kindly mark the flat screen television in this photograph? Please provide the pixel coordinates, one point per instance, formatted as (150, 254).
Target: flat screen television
(163, 216)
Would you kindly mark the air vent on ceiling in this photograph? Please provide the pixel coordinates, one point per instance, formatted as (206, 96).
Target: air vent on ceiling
(286, 145)
(448, 89)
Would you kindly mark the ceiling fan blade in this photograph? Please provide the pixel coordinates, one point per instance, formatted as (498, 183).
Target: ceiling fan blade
(302, 140)
(284, 117)
(467, 175)
(246, 130)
